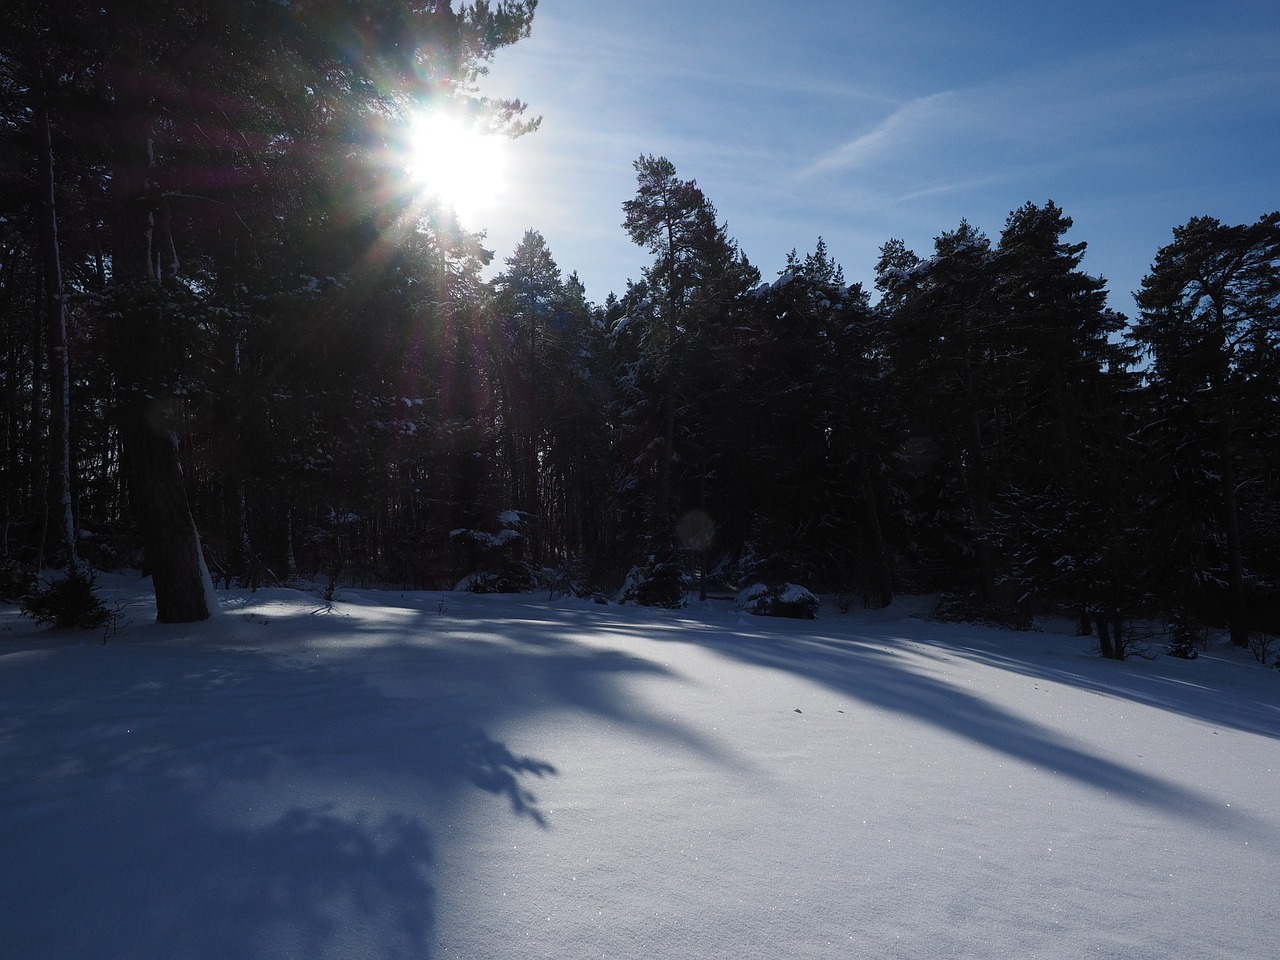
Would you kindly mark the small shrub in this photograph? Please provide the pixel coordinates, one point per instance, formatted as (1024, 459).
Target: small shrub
(779, 600)
(655, 583)
(1186, 637)
(1262, 644)
(517, 578)
(965, 608)
(496, 560)
(67, 602)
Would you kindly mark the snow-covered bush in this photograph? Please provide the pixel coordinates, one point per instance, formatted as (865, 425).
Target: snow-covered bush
(496, 558)
(66, 602)
(779, 600)
(517, 578)
(773, 555)
(654, 583)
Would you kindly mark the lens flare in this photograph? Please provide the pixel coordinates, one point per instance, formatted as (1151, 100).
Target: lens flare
(454, 162)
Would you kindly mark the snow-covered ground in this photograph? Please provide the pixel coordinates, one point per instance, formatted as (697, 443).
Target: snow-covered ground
(447, 775)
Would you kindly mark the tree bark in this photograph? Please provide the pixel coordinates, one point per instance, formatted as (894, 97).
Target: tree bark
(174, 556)
(58, 498)
(1109, 650)
(184, 591)
(884, 579)
(975, 473)
(1237, 614)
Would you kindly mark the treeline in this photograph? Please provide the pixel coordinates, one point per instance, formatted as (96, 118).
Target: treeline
(230, 337)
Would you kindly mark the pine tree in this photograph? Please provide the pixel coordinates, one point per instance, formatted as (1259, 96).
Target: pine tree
(949, 372)
(1068, 370)
(813, 422)
(674, 317)
(1210, 325)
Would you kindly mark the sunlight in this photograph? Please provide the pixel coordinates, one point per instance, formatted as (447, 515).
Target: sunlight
(455, 162)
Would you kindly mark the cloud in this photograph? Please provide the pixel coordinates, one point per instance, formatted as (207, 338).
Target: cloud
(910, 122)
(1073, 113)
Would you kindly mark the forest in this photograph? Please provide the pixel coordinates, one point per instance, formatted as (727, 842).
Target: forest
(236, 351)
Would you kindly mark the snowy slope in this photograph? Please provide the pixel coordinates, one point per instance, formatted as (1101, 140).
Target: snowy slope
(427, 775)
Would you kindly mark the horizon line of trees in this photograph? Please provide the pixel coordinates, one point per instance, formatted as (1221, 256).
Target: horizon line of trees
(234, 351)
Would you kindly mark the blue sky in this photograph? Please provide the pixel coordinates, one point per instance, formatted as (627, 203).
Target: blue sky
(864, 120)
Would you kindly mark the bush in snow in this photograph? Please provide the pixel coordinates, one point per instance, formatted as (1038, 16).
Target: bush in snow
(774, 554)
(517, 578)
(496, 559)
(967, 608)
(779, 600)
(1186, 637)
(654, 583)
(1261, 644)
(67, 602)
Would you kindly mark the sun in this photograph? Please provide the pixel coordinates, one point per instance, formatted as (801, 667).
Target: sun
(455, 162)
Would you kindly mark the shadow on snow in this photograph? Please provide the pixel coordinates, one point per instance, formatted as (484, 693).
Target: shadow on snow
(886, 672)
(232, 796)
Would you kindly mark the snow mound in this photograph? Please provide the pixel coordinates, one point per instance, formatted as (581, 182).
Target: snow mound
(779, 600)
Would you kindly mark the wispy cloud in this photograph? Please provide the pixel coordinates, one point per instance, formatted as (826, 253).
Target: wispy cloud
(907, 123)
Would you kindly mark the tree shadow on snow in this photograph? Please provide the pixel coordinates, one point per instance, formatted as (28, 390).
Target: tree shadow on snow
(886, 672)
(212, 801)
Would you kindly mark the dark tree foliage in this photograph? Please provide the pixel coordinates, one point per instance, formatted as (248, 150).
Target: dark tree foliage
(953, 368)
(1210, 326)
(672, 335)
(811, 397)
(1061, 439)
(546, 376)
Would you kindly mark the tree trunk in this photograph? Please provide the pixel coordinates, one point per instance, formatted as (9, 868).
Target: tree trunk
(184, 591)
(1104, 638)
(175, 559)
(1237, 615)
(975, 475)
(666, 526)
(884, 579)
(58, 503)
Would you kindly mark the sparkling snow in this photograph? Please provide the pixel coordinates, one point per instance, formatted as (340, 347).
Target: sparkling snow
(447, 775)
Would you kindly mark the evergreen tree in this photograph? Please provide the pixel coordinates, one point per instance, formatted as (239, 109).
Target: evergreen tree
(949, 370)
(1210, 326)
(1059, 443)
(673, 318)
(811, 397)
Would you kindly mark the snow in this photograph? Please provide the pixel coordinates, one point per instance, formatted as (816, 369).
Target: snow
(794, 593)
(449, 775)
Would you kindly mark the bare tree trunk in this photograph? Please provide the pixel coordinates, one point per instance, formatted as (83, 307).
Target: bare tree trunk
(975, 476)
(1109, 649)
(884, 578)
(666, 527)
(174, 556)
(148, 424)
(290, 558)
(59, 503)
(1237, 614)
